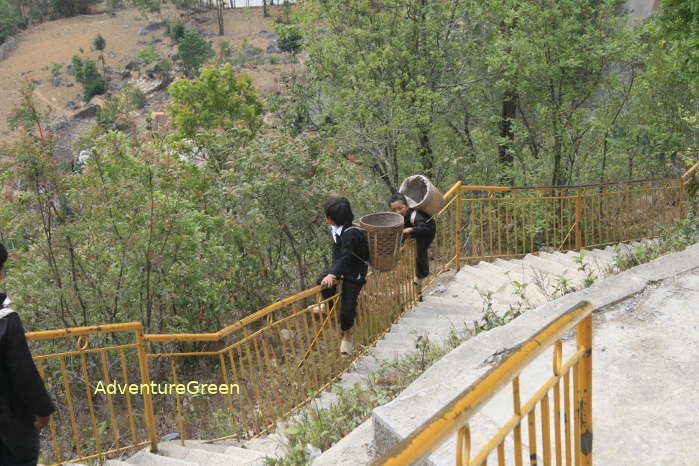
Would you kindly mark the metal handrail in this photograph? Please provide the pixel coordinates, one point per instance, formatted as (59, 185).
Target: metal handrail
(455, 221)
(455, 415)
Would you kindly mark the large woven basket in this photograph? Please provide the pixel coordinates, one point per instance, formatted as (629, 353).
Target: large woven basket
(384, 231)
(422, 194)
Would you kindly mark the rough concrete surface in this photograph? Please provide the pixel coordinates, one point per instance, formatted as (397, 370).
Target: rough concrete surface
(645, 395)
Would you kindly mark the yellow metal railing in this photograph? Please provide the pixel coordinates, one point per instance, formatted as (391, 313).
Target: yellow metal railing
(280, 356)
(506, 222)
(553, 429)
(94, 420)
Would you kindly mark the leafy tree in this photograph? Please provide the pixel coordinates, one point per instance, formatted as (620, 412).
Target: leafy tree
(497, 90)
(85, 72)
(147, 7)
(99, 43)
(175, 30)
(290, 39)
(148, 55)
(140, 233)
(385, 71)
(193, 51)
(218, 100)
(10, 19)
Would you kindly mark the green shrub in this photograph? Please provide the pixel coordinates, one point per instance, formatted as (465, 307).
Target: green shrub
(85, 72)
(290, 39)
(148, 55)
(194, 51)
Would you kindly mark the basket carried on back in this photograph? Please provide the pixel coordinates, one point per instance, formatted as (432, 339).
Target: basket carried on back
(384, 231)
(422, 194)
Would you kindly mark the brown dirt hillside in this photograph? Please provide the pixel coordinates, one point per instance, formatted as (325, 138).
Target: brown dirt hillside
(57, 41)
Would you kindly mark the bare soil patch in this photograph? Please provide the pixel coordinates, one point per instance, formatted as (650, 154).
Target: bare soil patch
(57, 42)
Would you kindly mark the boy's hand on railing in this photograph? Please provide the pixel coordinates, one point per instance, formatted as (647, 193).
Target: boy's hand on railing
(41, 422)
(328, 281)
(407, 231)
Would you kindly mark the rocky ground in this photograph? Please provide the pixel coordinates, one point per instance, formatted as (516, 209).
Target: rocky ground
(250, 36)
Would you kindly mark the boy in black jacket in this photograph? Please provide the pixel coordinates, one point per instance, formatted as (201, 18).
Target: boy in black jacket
(420, 227)
(350, 254)
(25, 405)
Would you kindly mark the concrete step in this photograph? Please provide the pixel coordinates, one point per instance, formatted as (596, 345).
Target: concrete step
(443, 326)
(450, 322)
(481, 279)
(273, 446)
(366, 366)
(474, 303)
(560, 258)
(412, 335)
(243, 457)
(530, 292)
(239, 456)
(216, 447)
(383, 345)
(350, 379)
(493, 269)
(551, 267)
(390, 352)
(146, 458)
(325, 399)
(116, 463)
(595, 264)
(355, 449)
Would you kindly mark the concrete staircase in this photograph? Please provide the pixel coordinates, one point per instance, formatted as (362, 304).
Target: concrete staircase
(453, 302)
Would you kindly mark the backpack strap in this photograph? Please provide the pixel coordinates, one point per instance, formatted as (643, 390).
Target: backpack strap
(353, 227)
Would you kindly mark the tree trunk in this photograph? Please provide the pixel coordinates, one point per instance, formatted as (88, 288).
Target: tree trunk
(507, 115)
(219, 12)
(426, 154)
(264, 8)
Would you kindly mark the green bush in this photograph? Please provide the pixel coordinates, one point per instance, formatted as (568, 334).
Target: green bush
(85, 72)
(148, 55)
(10, 19)
(175, 30)
(290, 39)
(194, 51)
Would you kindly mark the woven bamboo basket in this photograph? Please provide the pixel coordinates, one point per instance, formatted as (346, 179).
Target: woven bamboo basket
(422, 194)
(384, 231)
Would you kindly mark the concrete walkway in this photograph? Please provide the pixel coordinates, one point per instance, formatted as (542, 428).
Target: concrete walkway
(646, 377)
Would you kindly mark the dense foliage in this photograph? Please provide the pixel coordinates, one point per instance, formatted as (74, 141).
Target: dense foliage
(193, 51)
(492, 91)
(145, 230)
(85, 72)
(207, 220)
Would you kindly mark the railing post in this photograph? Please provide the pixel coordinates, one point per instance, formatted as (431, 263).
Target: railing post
(578, 231)
(681, 199)
(458, 227)
(584, 394)
(147, 400)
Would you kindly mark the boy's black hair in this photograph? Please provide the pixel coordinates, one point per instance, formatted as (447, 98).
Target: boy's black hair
(395, 197)
(3, 256)
(339, 210)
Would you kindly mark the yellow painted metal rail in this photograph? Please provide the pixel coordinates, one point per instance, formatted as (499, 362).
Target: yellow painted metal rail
(275, 360)
(559, 434)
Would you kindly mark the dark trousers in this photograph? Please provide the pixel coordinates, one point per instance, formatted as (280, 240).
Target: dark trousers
(348, 306)
(422, 262)
(8, 459)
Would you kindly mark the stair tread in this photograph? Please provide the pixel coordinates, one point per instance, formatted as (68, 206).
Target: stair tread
(146, 458)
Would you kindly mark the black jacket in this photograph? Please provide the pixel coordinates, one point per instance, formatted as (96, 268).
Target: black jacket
(424, 228)
(350, 254)
(23, 395)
